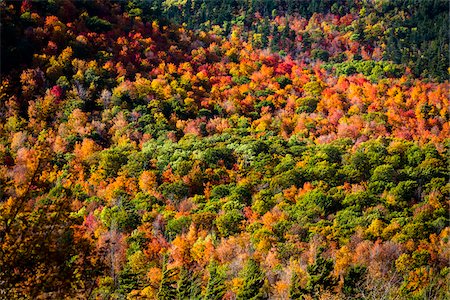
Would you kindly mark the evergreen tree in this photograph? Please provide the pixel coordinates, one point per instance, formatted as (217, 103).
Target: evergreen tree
(274, 43)
(128, 280)
(188, 285)
(254, 279)
(353, 281)
(265, 32)
(196, 287)
(183, 288)
(167, 288)
(320, 276)
(215, 288)
(295, 290)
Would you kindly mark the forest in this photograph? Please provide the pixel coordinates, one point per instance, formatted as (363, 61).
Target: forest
(235, 149)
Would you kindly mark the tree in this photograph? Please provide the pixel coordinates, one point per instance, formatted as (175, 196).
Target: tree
(353, 281)
(111, 160)
(167, 287)
(295, 289)
(44, 250)
(320, 277)
(229, 222)
(215, 289)
(188, 285)
(253, 287)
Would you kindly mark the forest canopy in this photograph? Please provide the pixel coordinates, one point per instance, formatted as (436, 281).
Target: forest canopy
(237, 149)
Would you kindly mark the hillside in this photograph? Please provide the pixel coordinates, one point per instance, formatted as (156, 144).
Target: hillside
(194, 149)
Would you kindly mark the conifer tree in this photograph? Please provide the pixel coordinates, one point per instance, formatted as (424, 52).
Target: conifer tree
(353, 281)
(167, 288)
(295, 290)
(195, 289)
(189, 286)
(183, 288)
(254, 279)
(320, 276)
(215, 288)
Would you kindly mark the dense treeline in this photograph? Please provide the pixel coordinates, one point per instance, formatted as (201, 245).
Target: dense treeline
(143, 160)
(411, 32)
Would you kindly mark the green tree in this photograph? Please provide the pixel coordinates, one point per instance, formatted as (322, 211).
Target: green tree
(215, 289)
(353, 281)
(113, 159)
(254, 282)
(188, 285)
(295, 289)
(229, 222)
(320, 277)
(167, 288)
(322, 200)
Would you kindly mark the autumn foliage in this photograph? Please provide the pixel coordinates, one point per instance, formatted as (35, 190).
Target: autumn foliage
(141, 159)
